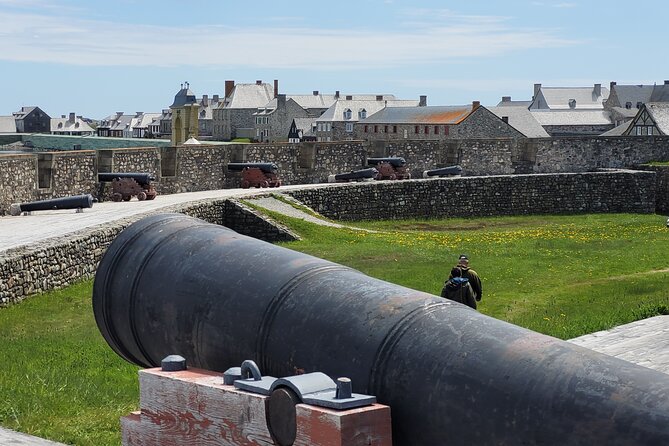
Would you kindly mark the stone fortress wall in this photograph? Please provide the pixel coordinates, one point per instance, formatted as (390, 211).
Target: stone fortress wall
(563, 179)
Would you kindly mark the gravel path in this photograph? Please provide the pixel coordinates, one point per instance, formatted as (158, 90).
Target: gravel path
(272, 204)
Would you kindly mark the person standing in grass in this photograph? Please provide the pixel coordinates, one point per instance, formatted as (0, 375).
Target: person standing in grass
(470, 274)
(457, 288)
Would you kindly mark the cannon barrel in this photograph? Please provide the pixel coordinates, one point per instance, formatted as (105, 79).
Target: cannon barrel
(354, 175)
(74, 202)
(142, 178)
(393, 161)
(443, 171)
(265, 167)
(172, 284)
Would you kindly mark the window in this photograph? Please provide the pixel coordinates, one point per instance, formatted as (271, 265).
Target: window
(320, 126)
(406, 133)
(349, 127)
(376, 129)
(366, 129)
(446, 130)
(328, 126)
(348, 113)
(394, 129)
(436, 129)
(427, 130)
(362, 113)
(416, 130)
(650, 131)
(385, 129)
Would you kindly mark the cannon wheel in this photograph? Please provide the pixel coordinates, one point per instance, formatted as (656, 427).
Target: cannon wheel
(245, 184)
(116, 197)
(392, 176)
(263, 184)
(141, 196)
(127, 197)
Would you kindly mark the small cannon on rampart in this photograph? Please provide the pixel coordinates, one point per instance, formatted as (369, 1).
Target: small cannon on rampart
(78, 202)
(126, 185)
(392, 168)
(357, 175)
(443, 172)
(256, 174)
(451, 375)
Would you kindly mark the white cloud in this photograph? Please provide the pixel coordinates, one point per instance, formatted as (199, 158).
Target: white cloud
(67, 40)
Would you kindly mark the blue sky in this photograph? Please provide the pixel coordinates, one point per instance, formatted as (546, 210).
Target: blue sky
(96, 58)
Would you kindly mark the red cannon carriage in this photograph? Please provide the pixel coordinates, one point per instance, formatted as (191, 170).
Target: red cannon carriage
(126, 185)
(393, 168)
(256, 174)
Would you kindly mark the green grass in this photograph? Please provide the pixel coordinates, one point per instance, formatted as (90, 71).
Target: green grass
(560, 275)
(59, 379)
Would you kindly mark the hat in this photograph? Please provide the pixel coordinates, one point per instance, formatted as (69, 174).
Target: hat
(463, 257)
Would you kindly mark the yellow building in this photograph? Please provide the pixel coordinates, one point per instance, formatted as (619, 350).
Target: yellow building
(184, 116)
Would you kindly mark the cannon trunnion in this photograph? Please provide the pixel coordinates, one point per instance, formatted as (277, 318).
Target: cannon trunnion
(172, 284)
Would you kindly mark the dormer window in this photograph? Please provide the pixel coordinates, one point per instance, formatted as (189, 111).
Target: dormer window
(639, 104)
(628, 105)
(362, 113)
(348, 113)
(572, 103)
(60, 125)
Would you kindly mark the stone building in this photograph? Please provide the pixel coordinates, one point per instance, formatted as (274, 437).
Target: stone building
(273, 121)
(652, 119)
(625, 101)
(206, 114)
(72, 125)
(32, 120)
(234, 116)
(434, 123)
(184, 116)
(338, 122)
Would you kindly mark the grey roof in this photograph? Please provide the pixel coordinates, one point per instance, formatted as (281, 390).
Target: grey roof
(521, 119)
(65, 125)
(659, 111)
(25, 111)
(558, 98)
(660, 93)
(306, 125)
(144, 120)
(571, 117)
(7, 124)
(310, 101)
(184, 97)
(617, 131)
(249, 96)
(371, 106)
(525, 104)
(420, 115)
(633, 94)
(624, 112)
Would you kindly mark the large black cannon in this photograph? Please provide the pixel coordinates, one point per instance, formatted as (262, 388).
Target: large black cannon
(126, 185)
(391, 168)
(443, 172)
(356, 175)
(172, 284)
(256, 174)
(77, 202)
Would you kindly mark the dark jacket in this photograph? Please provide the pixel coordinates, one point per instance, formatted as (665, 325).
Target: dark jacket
(459, 290)
(474, 280)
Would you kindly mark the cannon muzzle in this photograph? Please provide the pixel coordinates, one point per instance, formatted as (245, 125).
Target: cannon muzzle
(142, 178)
(74, 202)
(357, 175)
(172, 284)
(393, 161)
(443, 172)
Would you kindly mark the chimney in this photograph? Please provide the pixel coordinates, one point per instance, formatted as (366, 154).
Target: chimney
(611, 85)
(280, 101)
(537, 87)
(229, 86)
(422, 102)
(71, 119)
(505, 119)
(666, 82)
(379, 97)
(118, 115)
(62, 116)
(205, 100)
(315, 92)
(475, 105)
(276, 88)
(138, 114)
(598, 89)
(337, 94)
(215, 98)
(506, 98)
(349, 97)
(259, 82)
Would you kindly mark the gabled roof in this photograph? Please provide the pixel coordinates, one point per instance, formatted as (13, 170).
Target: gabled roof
(123, 122)
(310, 101)
(306, 125)
(617, 131)
(7, 124)
(65, 125)
(571, 117)
(420, 115)
(144, 120)
(559, 98)
(184, 97)
(521, 119)
(249, 96)
(511, 103)
(632, 94)
(660, 93)
(659, 112)
(370, 106)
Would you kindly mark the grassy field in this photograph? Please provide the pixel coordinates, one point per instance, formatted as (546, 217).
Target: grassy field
(564, 276)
